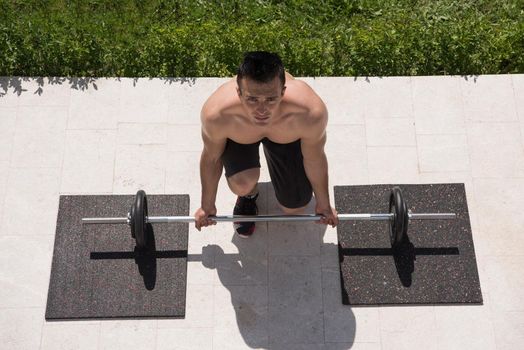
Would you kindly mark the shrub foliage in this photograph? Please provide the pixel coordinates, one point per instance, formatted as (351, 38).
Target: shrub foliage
(136, 38)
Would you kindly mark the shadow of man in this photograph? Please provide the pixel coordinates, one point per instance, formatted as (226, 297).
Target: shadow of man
(284, 283)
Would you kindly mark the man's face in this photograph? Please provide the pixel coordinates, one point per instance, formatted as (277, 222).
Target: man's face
(261, 100)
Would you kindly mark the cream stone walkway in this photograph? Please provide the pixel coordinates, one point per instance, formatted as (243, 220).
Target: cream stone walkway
(280, 289)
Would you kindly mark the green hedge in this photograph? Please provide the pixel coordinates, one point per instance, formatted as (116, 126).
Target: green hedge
(207, 38)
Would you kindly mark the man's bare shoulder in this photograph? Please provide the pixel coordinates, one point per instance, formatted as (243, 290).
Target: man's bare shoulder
(222, 100)
(302, 95)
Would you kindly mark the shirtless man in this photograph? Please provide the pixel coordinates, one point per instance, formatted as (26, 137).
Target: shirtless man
(264, 104)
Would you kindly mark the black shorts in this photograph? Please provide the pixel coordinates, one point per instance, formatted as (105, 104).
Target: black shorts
(285, 164)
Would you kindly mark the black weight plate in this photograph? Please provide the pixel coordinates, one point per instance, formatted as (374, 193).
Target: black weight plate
(132, 212)
(139, 219)
(399, 225)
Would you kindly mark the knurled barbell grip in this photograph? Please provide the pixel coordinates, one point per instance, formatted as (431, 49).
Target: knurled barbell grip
(267, 218)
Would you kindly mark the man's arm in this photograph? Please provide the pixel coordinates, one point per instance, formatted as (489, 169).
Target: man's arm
(210, 160)
(315, 162)
(210, 167)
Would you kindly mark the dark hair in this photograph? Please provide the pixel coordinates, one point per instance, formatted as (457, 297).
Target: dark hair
(261, 66)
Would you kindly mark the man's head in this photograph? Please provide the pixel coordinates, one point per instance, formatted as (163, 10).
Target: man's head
(261, 84)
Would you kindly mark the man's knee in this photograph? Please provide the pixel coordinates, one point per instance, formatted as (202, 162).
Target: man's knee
(293, 211)
(244, 182)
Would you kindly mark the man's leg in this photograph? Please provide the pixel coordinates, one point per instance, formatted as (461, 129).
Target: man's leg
(244, 183)
(286, 168)
(242, 165)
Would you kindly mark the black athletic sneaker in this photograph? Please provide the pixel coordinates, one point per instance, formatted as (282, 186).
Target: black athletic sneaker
(245, 206)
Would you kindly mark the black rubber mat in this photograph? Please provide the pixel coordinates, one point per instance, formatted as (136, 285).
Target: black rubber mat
(436, 266)
(98, 273)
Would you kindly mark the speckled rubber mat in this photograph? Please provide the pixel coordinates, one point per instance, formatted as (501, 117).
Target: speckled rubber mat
(97, 272)
(438, 266)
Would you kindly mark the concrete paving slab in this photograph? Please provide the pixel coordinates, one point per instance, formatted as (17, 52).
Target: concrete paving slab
(140, 167)
(408, 328)
(96, 105)
(488, 98)
(143, 101)
(487, 142)
(7, 127)
(443, 153)
(141, 134)
(438, 105)
(340, 96)
(390, 132)
(70, 335)
(31, 212)
(136, 334)
(187, 96)
(21, 328)
(389, 97)
(463, 327)
(443, 106)
(44, 91)
(21, 280)
(89, 162)
(393, 164)
(518, 90)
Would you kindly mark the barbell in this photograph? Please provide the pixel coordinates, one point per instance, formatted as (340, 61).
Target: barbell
(399, 216)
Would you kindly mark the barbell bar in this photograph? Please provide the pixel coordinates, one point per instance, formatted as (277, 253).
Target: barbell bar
(399, 216)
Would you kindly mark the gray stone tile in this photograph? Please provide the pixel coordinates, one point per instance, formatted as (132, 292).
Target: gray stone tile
(9, 91)
(487, 142)
(505, 282)
(389, 97)
(31, 193)
(509, 329)
(241, 317)
(39, 137)
(69, 335)
(393, 165)
(200, 305)
(488, 98)
(185, 339)
(342, 98)
(390, 132)
(438, 106)
(295, 238)
(95, 107)
(329, 248)
(4, 174)
(42, 117)
(143, 101)
(249, 266)
(518, 90)
(339, 137)
(295, 300)
(142, 134)
(21, 328)
(411, 327)
(349, 165)
(184, 138)
(136, 334)
(327, 346)
(341, 322)
(500, 220)
(38, 148)
(89, 161)
(185, 100)
(45, 91)
(442, 153)
(23, 283)
(183, 174)
(7, 126)
(464, 327)
(140, 167)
